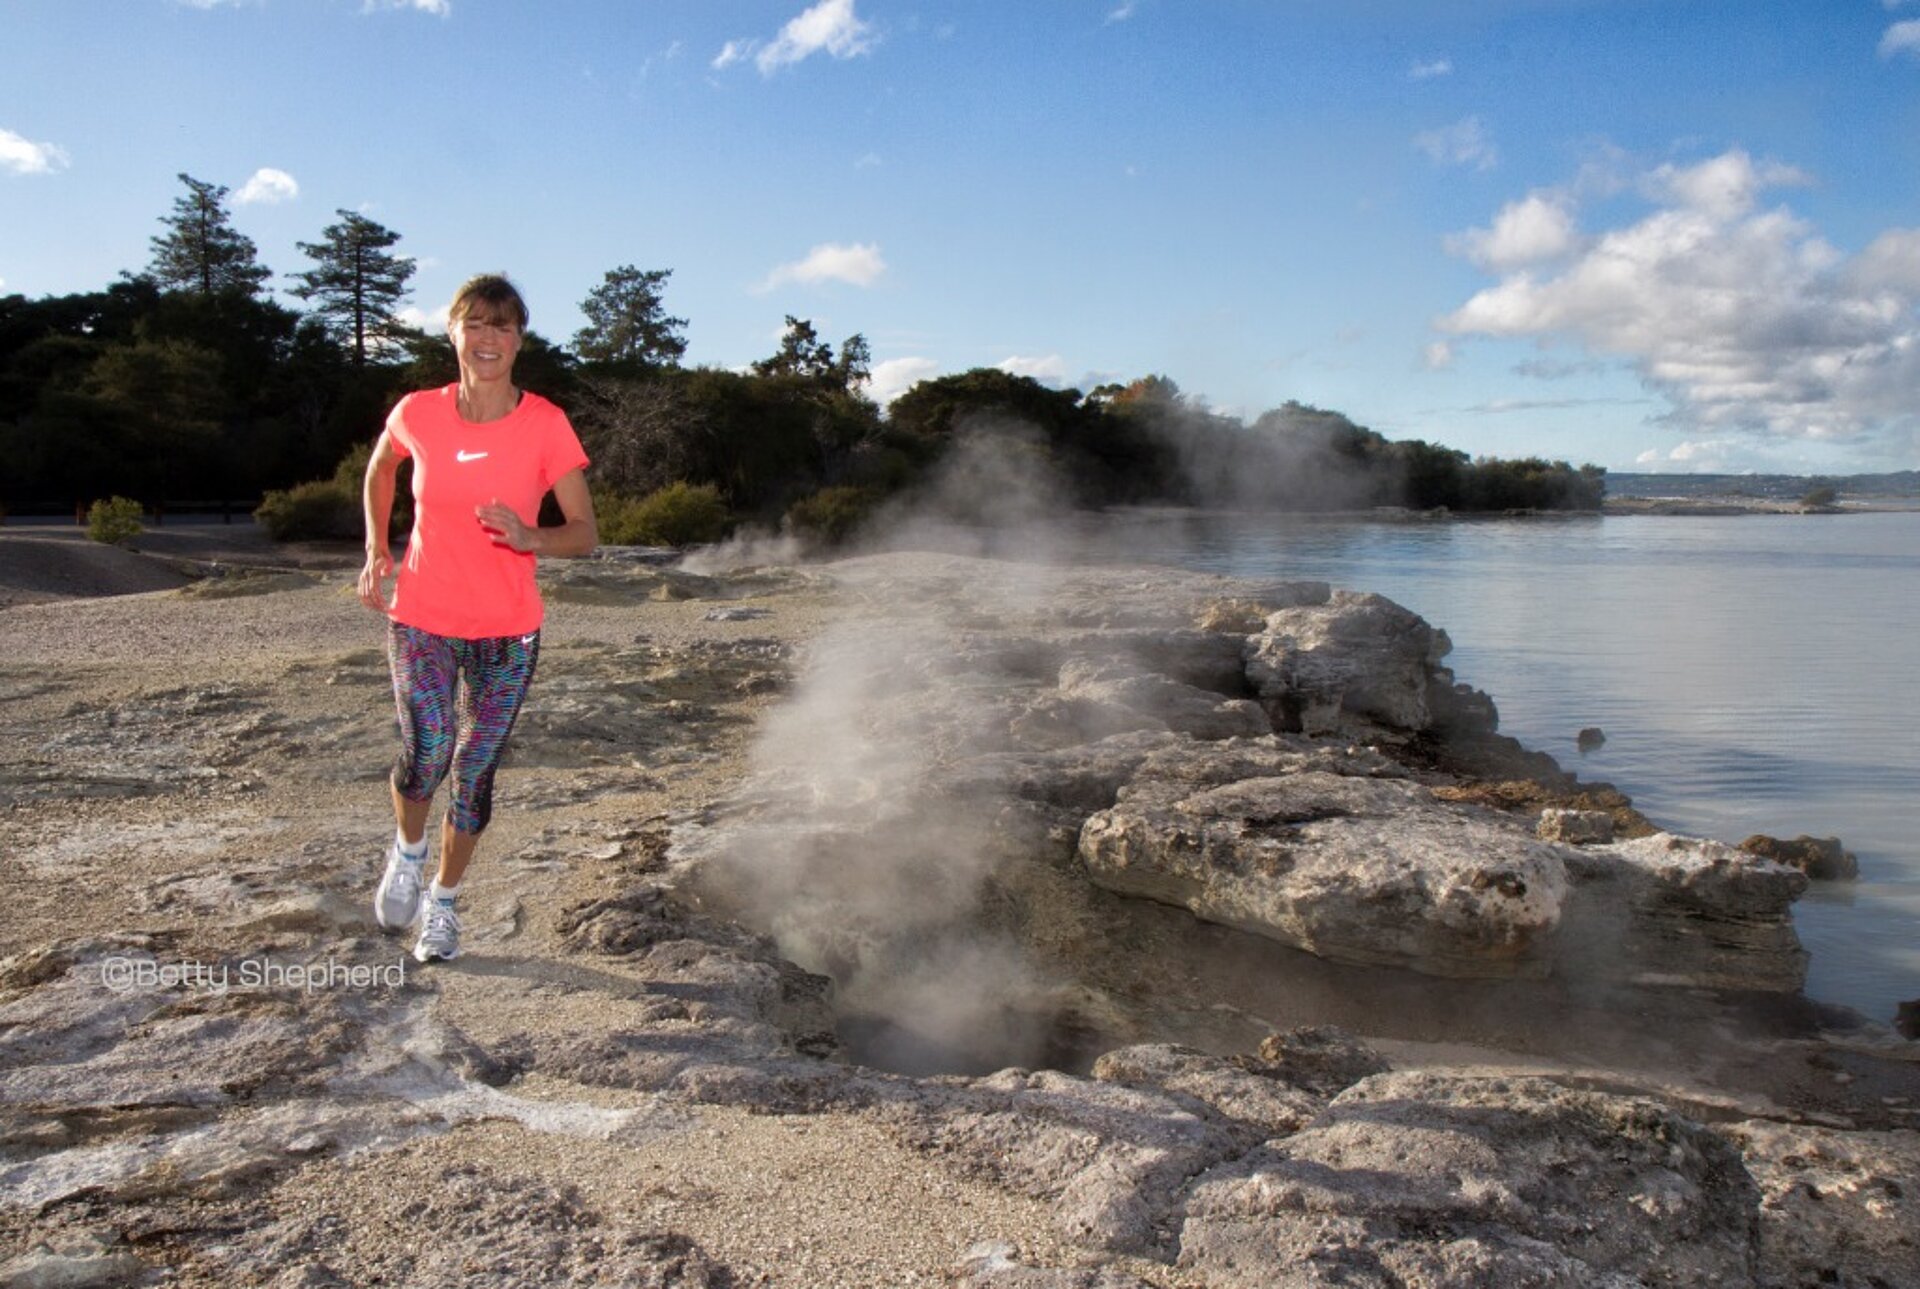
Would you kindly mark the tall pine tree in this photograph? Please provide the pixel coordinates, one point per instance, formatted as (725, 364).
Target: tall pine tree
(627, 324)
(201, 251)
(358, 284)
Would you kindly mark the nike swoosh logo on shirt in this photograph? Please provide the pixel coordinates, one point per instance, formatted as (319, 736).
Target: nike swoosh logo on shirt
(468, 456)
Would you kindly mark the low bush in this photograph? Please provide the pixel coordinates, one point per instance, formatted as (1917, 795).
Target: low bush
(679, 514)
(310, 511)
(831, 515)
(114, 520)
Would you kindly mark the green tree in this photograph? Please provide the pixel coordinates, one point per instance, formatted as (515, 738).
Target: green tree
(1431, 476)
(169, 399)
(855, 364)
(201, 251)
(940, 407)
(804, 355)
(805, 374)
(627, 324)
(358, 282)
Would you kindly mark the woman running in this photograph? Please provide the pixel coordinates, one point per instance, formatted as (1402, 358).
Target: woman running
(465, 615)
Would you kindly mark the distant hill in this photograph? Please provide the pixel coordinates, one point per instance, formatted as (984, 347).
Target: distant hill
(1768, 487)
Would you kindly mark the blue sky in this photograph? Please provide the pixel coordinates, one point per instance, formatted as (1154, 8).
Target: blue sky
(1649, 234)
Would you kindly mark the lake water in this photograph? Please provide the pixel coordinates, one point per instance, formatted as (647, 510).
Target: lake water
(1753, 674)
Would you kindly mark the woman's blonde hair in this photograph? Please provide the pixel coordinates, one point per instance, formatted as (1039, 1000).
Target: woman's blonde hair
(491, 295)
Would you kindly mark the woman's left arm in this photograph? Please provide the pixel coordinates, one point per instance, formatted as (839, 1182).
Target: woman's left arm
(577, 536)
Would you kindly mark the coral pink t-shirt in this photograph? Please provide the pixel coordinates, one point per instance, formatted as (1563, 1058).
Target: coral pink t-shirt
(456, 580)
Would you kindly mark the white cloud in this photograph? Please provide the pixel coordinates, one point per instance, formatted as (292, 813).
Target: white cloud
(896, 376)
(22, 156)
(1556, 369)
(1901, 38)
(1537, 228)
(858, 265)
(647, 65)
(268, 187)
(1464, 143)
(831, 27)
(1048, 370)
(1427, 71)
(1724, 187)
(429, 321)
(1715, 456)
(1892, 260)
(732, 52)
(1743, 319)
(440, 7)
(1123, 11)
(868, 161)
(1437, 356)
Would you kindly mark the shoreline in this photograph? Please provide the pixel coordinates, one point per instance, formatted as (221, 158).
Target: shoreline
(1735, 506)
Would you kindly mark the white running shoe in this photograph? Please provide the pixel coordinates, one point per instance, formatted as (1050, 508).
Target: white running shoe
(397, 903)
(439, 932)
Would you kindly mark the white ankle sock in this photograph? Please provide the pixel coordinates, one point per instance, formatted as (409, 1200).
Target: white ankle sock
(410, 850)
(443, 894)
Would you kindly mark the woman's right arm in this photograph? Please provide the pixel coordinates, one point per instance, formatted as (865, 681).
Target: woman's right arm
(376, 501)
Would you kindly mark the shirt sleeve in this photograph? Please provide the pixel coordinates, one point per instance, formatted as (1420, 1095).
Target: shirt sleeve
(398, 433)
(560, 451)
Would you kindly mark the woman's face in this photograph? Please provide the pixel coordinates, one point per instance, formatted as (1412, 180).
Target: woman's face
(486, 344)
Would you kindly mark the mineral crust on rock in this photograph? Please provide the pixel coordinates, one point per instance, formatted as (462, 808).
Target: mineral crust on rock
(1432, 1179)
(1670, 910)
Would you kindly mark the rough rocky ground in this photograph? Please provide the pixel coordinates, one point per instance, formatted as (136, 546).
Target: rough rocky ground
(614, 1086)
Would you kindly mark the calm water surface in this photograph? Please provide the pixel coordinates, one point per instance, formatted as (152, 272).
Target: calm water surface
(1752, 673)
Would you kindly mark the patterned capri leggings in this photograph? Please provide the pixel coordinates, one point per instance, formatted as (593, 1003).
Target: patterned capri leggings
(457, 701)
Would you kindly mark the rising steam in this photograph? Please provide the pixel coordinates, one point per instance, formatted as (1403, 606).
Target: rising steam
(853, 847)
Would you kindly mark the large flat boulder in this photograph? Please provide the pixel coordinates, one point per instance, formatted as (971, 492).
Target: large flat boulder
(1341, 855)
(1354, 655)
(1354, 869)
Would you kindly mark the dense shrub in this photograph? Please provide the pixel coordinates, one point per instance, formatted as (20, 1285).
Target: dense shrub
(679, 514)
(114, 520)
(832, 514)
(310, 511)
(330, 508)
(1532, 484)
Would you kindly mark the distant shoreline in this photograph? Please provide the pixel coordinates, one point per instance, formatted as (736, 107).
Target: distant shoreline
(1713, 507)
